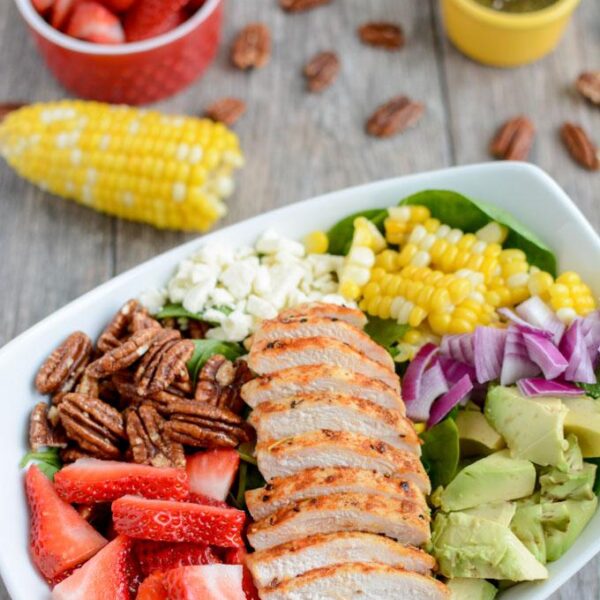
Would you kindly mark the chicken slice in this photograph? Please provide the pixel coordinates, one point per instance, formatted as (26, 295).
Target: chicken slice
(276, 329)
(309, 412)
(396, 519)
(270, 357)
(325, 311)
(278, 564)
(327, 448)
(358, 581)
(320, 378)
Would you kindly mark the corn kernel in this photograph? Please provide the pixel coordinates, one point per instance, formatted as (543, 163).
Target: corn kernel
(377, 273)
(316, 242)
(440, 300)
(350, 290)
(417, 316)
(384, 308)
(412, 336)
(419, 214)
(513, 268)
(459, 289)
(493, 233)
(566, 315)
(407, 254)
(361, 256)
(420, 427)
(371, 290)
(460, 326)
(400, 213)
(467, 241)
(387, 260)
(568, 278)
(421, 259)
(431, 225)
(439, 322)
(512, 254)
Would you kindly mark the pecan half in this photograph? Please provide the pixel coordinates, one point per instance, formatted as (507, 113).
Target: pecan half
(96, 427)
(300, 5)
(321, 71)
(580, 146)
(226, 110)
(588, 85)
(142, 320)
(196, 330)
(117, 329)
(41, 432)
(382, 35)
(197, 436)
(513, 141)
(62, 368)
(149, 444)
(252, 47)
(88, 385)
(394, 116)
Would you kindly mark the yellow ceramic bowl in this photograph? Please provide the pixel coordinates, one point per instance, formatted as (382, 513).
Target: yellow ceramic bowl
(505, 39)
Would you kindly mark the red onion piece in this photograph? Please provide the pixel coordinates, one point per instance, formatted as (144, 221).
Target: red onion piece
(516, 363)
(433, 385)
(545, 354)
(448, 401)
(574, 348)
(411, 382)
(489, 345)
(536, 312)
(542, 387)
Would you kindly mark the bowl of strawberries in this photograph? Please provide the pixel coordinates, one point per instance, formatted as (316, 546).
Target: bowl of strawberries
(125, 51)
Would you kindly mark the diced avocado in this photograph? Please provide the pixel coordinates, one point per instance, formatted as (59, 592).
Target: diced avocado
(500, 512)
(477, 437)
(494, 478)
(471, 589)
(532, 427)
(583, 420)
(467, 546)
(559, 539)
(527, 526)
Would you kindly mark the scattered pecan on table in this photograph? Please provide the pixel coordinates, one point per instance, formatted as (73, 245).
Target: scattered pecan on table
(588, 85)
(301, 5)
(394, 116)
(382, 35)
(580, 146)
(252, 47)
(514, 140)
(226, 110)
(321, 71)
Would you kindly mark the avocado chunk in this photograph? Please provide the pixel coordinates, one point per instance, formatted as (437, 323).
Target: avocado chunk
(532, 427)
(471, 589)
(495, 478)
(472, 547)
(500, 512)
(477, 436)
(583, 420)
(527, 526)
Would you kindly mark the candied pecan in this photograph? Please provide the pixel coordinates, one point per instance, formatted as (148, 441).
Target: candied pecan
(394, 116)
(88, 385)
(226, 110)
(300, 5)
(117, 329)
(126, 389)
(220, 382)
(196, 330)
(321, 71)
(94, 425)
(41, 432)
(149, 444)
(63, 367)
(382, 35)
(197, 436)
(185, 407)
(588, 85)
(72, 453)
(164, 339)
(142, 320)
(252, 47)
(580, 146)
(513, 141)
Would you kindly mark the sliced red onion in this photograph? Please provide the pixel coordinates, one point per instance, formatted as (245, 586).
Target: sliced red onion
(411, 382)
(541, 387)
(590, 327)
(454, 370)
(459, 347)
(523, 325)
(433, 385)
(536, 312)
(489, 345)
(449, 400)
(545, 354)
(516, 363)
(574, 348)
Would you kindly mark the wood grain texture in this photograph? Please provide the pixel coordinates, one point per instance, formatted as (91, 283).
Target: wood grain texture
(299, 144)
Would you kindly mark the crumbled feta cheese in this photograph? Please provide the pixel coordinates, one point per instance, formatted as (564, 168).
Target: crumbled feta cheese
(154, 299)
(261, 308)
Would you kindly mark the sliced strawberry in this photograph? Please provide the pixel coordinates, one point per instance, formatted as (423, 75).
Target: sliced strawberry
(153, 588)
(109, 574)
(61, 12)
(42, 6)
(93, 22)
(163, 556)
(147, 18)
(117, 5)
(209, 582)
(212, 473)
(237, 556)
(91, 480)
(167, 521)
(60, 538)
(173, 21)
(201, 499)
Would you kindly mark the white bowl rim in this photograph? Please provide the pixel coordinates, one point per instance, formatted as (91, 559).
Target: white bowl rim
(37, 23)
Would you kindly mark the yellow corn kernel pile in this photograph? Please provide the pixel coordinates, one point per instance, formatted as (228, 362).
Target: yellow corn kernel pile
(170, 171)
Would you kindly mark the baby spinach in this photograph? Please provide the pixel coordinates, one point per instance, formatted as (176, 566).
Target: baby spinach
(204, 349)
(48, 461)
(177, 311)
(591, 389)
(340, 235)
(386, 332)
(441, 452)
(249, 478)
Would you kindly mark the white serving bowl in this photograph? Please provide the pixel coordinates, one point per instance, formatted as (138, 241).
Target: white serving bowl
(523, 190)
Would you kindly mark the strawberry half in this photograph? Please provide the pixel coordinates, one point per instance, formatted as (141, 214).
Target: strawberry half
(211, 473)
(163, 556)
(60, 538)
(93, 22)
(237, 556)
(153, 588)
(109, 574)
(42, 6)
(209, 582)
(91, 480)
(61, 12)
(148, 17)
(167, 521)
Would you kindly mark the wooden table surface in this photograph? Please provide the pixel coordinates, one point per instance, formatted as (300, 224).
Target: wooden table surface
(300, 145)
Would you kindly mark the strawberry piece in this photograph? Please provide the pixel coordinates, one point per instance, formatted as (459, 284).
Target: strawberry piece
(171, 22)
(209, 582)
(61, 13)
(91, 480)
(212, 473)
(117, 5)
(109, 574)
(163, 556)
(153, 588)
(93, 22)
(42, 6)
(167, 521)
(237, 556)
(147, 18)
(201, 499)
(60, 539)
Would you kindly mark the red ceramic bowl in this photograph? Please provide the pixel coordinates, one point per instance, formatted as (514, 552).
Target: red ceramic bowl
(136, 73)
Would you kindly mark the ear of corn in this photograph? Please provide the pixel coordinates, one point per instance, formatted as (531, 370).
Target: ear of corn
(169, 171)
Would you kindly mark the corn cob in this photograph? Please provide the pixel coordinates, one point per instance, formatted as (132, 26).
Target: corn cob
(169, 171)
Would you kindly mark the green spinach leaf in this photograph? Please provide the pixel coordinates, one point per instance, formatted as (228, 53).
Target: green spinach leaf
(48, 461)
(177, 311)
(441, 452)
(591, 389)
(204, 349)
(340, 235)
(386, 332)
(249, 478)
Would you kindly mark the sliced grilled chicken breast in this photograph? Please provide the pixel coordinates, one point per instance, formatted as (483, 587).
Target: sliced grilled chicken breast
(276, 329)
(270, 357)
(327, 448)
(278, 564)
(319, 378)
(308, 412)
(325, 311)
(358, 581)
(401, 521)
(312, 483)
